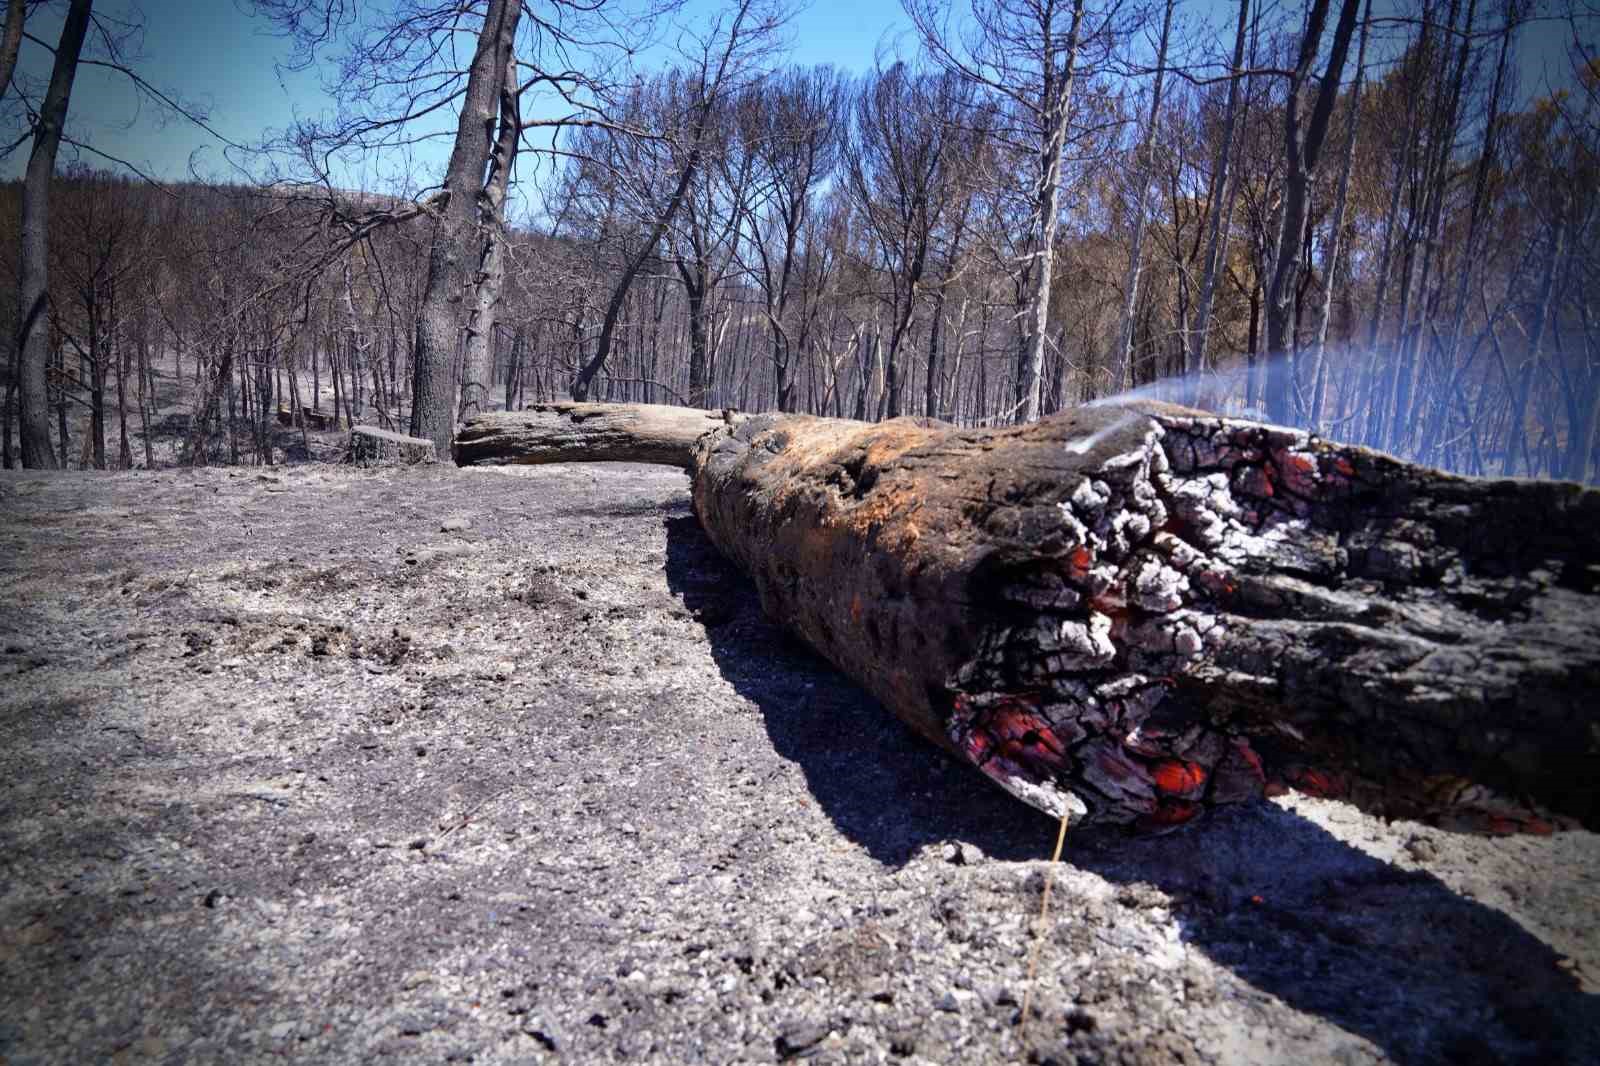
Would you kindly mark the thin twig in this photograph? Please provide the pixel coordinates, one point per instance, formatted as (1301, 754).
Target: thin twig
(1038, 940)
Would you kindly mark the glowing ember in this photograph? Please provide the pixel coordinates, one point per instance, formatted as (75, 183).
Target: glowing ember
(1178, 778)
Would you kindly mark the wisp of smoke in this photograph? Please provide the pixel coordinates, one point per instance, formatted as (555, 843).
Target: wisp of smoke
(1441, 421)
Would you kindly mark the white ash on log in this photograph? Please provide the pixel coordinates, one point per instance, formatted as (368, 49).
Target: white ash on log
(1132, 614)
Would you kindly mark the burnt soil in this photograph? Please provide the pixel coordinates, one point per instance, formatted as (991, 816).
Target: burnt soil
(506, 766)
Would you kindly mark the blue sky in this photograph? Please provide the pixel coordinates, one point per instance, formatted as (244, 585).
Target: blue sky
(209, 52)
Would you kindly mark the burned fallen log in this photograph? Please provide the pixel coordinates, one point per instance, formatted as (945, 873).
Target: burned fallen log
(371, 446)
(1131, 614)
(565, 432)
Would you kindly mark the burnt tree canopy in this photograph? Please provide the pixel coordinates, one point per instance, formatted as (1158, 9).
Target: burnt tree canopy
(1129, 614)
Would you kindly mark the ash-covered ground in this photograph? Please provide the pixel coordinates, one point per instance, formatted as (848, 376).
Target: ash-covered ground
(319, 764)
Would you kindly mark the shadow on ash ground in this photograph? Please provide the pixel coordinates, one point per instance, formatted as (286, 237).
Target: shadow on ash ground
(504, 766)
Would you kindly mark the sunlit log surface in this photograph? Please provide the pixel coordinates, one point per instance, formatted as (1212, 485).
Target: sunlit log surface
(1133, 614)
(564, 432)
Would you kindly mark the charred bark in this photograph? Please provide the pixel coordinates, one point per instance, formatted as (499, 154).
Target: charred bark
(567, 432)
(1134, 614)
(456, 230)
(33, 274)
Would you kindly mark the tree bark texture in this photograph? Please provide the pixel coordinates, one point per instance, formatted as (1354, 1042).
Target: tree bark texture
(1302, 149)
(1224, 186)
(456, 235)
(11, 42)
(33, 288)
(478, 365)
(566, 432)
(1056, 114)
(1122, 358)
(1131, 614)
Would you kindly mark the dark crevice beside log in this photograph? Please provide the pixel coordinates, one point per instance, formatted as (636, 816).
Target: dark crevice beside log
(1133, 614)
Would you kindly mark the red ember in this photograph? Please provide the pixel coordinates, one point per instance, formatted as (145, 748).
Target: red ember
(1176, 777)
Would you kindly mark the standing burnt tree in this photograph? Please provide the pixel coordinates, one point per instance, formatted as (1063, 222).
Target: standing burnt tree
(1306, 118)
(684, 119)
(702, 240)
(899, 169)
(33, 290)
(1032, 57)
(84, 38)
(398, 70)
(790, 123)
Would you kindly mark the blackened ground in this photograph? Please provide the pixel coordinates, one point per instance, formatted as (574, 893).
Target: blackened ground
(507, 766)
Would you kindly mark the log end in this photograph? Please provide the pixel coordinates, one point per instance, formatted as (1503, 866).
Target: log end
(1132, 614)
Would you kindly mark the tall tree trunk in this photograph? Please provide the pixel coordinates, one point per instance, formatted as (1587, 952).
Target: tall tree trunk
(97, 387)
(1143, 168)
(1466, 264)
(593, 366)
(145, 390)
(297, 405)
(514, 371)
(336, 372)
(1223, 190)
(1440, 173)
(64, 438)
(478, 366)
(6, 418)
(1253, 351)
(1516, 440)
(933, 405)
(699, 337)
(895, 374)
(236, 398)
(120, 360)
(1381, 372)
(1330, 265)
(33, 289)
(866, 368)
(456, 229)
(710, 92)
(207, 410)
(11, 42)
(782, 377)
(1302, 147)
(355, 342)
(1580, 464)
(1057, 113)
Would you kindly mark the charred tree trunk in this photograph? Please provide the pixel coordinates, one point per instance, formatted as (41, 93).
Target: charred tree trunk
(1144, 169)
(691, 168)
(1055, 115)
(1224, 188)
(478, 367)
(11, 42)
(33, 275)
(456, 231)
(1302, 148)
(1134, 614)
